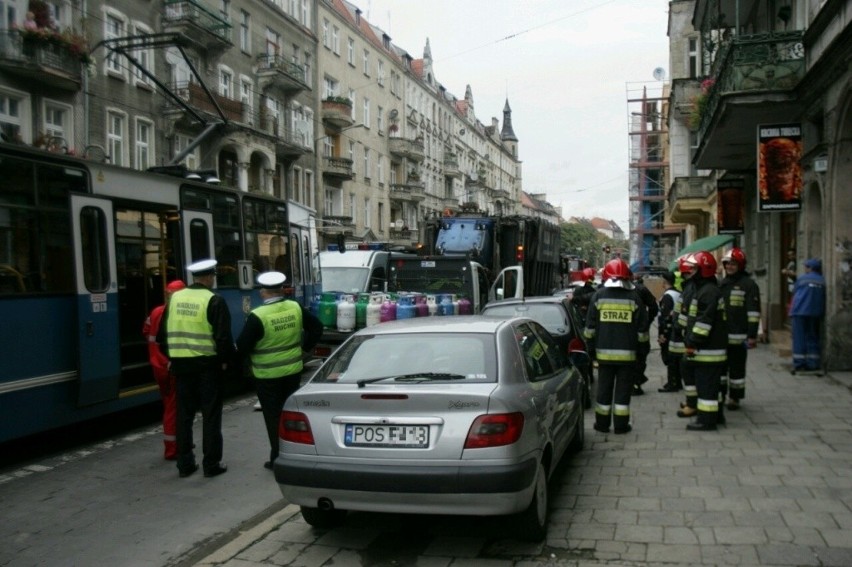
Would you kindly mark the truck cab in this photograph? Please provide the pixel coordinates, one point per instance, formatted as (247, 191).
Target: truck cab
(355, 271)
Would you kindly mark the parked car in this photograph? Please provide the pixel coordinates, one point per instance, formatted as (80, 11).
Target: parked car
(441, 415)
(568, 291)
(561, 319)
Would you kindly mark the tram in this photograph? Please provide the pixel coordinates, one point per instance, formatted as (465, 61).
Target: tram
(86, 250)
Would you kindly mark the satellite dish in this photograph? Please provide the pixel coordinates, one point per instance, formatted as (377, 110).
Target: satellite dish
(394, 113)
(659, 73)
(461, 132)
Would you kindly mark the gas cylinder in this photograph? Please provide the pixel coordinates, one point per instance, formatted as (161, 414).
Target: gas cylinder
(465, 306)
(346, 314)
(455, 301)
(361, 310)
(374, 308)
(405, 308)
(315, 303)
(432, 304)
(388, 310)
(421, 305)
(445, 307)
(328, 309)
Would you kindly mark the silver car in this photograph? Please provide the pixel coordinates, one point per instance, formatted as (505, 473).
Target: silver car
(443, 415)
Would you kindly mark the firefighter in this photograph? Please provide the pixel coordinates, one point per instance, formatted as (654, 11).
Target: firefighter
(617, 326)
(160, 367)
(671, 351)
(650, 303)
(705, 338)
(742, 310)
(582, 295)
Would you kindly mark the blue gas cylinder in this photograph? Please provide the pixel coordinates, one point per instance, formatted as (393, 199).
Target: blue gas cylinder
(314, 306)
(445, 307)
(405, 308)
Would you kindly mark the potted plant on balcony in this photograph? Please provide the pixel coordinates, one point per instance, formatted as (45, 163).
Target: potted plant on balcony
(699, 103)
(413, 176)
(39, 30)
(339, 100)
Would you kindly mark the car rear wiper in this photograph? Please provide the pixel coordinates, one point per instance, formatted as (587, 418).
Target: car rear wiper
(412, 377)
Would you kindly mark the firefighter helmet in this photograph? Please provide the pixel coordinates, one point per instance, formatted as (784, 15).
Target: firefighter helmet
(687, 266)
(735, 255)
(616, 269)
(706, 263)
(588, 274)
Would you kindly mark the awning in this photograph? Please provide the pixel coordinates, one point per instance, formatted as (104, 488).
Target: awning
(707, 243)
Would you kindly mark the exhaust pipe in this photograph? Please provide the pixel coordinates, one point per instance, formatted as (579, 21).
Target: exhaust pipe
(325, 504)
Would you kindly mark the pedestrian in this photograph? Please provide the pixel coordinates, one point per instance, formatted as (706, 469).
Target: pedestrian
(164, 377)
(650, 303)
(807, 311)
(617, 326)
(583, 294)
(705, 338)
(742, 313)
(671, 350)
(196, 336)
(274, 336)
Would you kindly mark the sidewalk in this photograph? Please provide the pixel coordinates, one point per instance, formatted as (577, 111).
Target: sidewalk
(773, 487)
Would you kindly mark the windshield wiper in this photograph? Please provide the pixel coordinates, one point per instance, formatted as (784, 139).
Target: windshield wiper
(413, 377)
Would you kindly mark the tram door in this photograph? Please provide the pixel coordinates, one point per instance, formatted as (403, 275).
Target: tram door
(97, 299)
(198, 237)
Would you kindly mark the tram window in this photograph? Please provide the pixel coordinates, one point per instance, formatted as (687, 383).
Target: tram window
(18, 182)
(297, 259)
(93, 232)
(199, 243)
(195, 200)
(266, 240)
(54, 184)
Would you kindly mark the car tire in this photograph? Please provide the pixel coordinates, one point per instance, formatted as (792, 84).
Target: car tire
(587, 394)
(532, 522)
(323, 518)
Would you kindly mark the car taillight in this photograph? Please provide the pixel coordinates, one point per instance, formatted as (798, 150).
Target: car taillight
(494, 430)
(294, 426)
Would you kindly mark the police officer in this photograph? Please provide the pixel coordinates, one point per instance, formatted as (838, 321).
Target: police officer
(671, 350)
(706, 338)
(196, 336)
(742, 310)
(617, 325)
(274, 336)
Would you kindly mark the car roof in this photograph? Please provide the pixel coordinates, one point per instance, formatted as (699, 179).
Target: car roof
(534, 299)
(445, 324)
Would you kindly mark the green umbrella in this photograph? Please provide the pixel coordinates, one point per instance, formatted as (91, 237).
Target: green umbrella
(707, 243)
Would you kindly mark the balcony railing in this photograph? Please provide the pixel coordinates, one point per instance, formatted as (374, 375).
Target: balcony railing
(690, 194)
(414, 150)
(44, 63)
(277, 72)
(337, 167)
(207, 29)
(195, 96)
(757, 63)
(402, 235)
(337, 113)
(411, 191)
(451, 166)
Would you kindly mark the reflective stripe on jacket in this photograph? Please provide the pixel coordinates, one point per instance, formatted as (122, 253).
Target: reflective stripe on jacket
(279, 352)
(189, 333)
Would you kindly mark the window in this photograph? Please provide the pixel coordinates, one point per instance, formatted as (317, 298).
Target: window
(328, 205)
(225, 9)
(380, 169)
(326, 38)
(367, 219)
(246, 89)
(353, 208)
(351, 95)
(305, 18)
(226, 83)
(145, 57)
(14, 115)
(366, 62)
(366, 163)
(693, 58)
(245, 36)
(8, 15)
(114, 26)
(298, 189)
(309, 188)
(352, 151)
(192, 159)
(393, 78)
(116, 130)
(350, 51)
(57, 121)
(335, 40)
(380, 72)
(308, 65)
(144, 143)
(331, 87)
(328, 147)
(273, 45)
(365, 119)
(381, 216)
(380, 120)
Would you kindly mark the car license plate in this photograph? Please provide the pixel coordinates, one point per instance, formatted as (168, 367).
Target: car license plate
(398, 436)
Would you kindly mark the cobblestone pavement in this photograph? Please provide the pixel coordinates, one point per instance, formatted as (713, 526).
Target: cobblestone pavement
(773, 487)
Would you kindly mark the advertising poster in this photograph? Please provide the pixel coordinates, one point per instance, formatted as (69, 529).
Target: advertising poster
(779, 168)
(730, 206)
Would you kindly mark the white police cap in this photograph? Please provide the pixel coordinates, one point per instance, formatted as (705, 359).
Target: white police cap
(271, 280)
(202, 268)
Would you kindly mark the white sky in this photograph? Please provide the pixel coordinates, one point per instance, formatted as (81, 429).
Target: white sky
(566, 67)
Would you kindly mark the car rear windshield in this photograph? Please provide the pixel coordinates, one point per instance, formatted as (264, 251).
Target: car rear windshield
(546, 314)
(471, 356)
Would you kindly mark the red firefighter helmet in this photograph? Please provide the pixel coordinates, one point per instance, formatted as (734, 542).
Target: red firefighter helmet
(616, 269)
(735, 255)
(706, 263)
(687, 266)
(588, 274)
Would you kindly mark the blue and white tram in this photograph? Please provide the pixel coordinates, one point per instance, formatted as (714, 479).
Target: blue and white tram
(85, 252)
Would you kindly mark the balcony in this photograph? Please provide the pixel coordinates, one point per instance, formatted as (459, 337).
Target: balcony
(274, 72)
(337, 112)
(413, 150)
(451, 167)
(330, 225)
(412, 191)
(337, 167)
(290, 141)
(196, 98)
(450, 203)
(402, 237)
(684, 93)
(501, 194)
(755, 78)
(41, 61)
(199, 26)
(689, 200)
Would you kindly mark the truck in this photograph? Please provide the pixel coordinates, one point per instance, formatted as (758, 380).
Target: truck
(529, 245)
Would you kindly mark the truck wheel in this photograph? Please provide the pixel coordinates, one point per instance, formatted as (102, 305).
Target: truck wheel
(532, 522)
(323, 518)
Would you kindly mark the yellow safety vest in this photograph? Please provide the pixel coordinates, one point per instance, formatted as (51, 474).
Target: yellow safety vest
(279, 352)
(188, 332)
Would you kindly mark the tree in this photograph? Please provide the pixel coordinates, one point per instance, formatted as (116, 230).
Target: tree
(583, 241)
